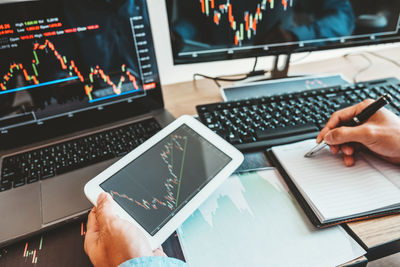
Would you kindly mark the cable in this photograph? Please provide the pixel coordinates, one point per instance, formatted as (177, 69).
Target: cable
(223, 79)
(301, 58)
(384, 58)
(363, 69)
(255, 65)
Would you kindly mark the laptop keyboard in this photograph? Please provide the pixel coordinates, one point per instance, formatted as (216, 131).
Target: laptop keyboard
(47, 162)
(268, 121)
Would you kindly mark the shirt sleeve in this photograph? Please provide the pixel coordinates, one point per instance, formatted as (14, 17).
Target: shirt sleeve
(154, 262)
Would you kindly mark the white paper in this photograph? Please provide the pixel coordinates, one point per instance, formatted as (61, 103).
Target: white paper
(389, 170)
(334, 190)
(252, 220)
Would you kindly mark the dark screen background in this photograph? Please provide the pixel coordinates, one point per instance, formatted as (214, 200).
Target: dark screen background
(209, 30)
(155, 186)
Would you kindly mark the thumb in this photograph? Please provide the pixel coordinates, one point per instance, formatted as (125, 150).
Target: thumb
(345, 135)
(105, 211)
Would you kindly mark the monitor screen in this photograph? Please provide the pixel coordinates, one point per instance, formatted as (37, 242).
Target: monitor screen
(207, 30)
(62, 57)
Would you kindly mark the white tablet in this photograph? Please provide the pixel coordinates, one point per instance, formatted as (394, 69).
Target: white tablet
(163, 181)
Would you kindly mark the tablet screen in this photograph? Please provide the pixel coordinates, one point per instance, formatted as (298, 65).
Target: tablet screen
(156, 185)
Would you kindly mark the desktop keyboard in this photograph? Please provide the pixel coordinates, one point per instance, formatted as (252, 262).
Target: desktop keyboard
(47, 162)
(279, 119)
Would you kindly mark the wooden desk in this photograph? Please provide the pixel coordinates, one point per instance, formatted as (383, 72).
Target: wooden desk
(380, 237)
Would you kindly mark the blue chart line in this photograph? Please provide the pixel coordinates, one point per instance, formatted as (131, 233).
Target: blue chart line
(112, 96)
(38, 85)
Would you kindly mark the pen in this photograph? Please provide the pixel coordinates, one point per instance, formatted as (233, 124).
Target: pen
(359, 119)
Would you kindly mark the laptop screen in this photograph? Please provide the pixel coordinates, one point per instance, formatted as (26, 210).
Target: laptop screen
(63, 57)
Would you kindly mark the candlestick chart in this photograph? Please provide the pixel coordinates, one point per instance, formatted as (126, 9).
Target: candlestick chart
(95, 78)
(62, 246)
(173, 150)
(244, 27)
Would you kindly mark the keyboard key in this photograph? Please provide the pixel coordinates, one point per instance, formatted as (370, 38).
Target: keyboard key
(6, 186)
(47, 173)
(32, 179)
(20, 181)
(45, 163)
(286, 131)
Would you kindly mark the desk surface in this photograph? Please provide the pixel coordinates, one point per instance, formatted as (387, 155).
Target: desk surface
(381, 237)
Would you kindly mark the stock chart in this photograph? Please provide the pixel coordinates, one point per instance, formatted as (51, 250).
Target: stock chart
(64, 60)
(210, 30)
(244, 26)
(59, 247)
(175, 148)
(63, 247)
(152, 195)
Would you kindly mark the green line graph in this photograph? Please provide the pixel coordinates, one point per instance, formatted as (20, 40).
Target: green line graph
(181, 173)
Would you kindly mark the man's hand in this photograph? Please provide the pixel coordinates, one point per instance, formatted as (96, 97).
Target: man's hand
(380, 134)
(110, 240)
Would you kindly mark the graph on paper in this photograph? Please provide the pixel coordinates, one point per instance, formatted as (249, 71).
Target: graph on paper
(155, 186)
(245, 26)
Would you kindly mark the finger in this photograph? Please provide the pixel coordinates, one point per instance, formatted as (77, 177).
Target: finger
(101, 198)
(105, 211)
(347, 150)
(92, 222)
(343, 135)
(335, 149)
(90, 237)
(348, 160)
(347, 114)
(342, 116)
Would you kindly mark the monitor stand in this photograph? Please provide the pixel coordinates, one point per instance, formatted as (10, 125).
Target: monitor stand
(280, 70)
(278, 82)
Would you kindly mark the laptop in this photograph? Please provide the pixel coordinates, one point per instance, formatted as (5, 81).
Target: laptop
(79, 88)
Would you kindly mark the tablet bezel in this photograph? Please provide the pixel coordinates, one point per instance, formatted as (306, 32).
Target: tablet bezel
(93, 190)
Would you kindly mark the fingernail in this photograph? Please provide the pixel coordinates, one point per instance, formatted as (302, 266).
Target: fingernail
(101, 197)
(328, 138)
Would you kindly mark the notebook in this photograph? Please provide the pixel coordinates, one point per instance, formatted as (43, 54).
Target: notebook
(332, 193)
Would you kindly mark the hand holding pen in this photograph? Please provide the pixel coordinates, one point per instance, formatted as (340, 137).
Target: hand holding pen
(379, 132)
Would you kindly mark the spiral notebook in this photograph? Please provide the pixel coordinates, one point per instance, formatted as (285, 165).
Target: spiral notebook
(333, 193)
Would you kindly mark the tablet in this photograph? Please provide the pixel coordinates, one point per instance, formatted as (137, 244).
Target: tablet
(164, 180)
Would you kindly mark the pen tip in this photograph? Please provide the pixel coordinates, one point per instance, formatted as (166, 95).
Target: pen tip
(308, 155)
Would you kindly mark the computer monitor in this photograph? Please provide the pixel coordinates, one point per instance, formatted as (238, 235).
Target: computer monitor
(210, 30)
(66, 58)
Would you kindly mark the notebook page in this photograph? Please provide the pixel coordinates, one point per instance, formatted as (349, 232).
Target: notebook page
(390, 171)
(335, 190)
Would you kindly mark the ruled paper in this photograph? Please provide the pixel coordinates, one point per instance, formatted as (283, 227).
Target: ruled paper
(334, 190)
(389, 170)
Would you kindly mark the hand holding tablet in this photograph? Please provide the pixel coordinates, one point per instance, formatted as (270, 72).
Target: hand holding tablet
(159, 184)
